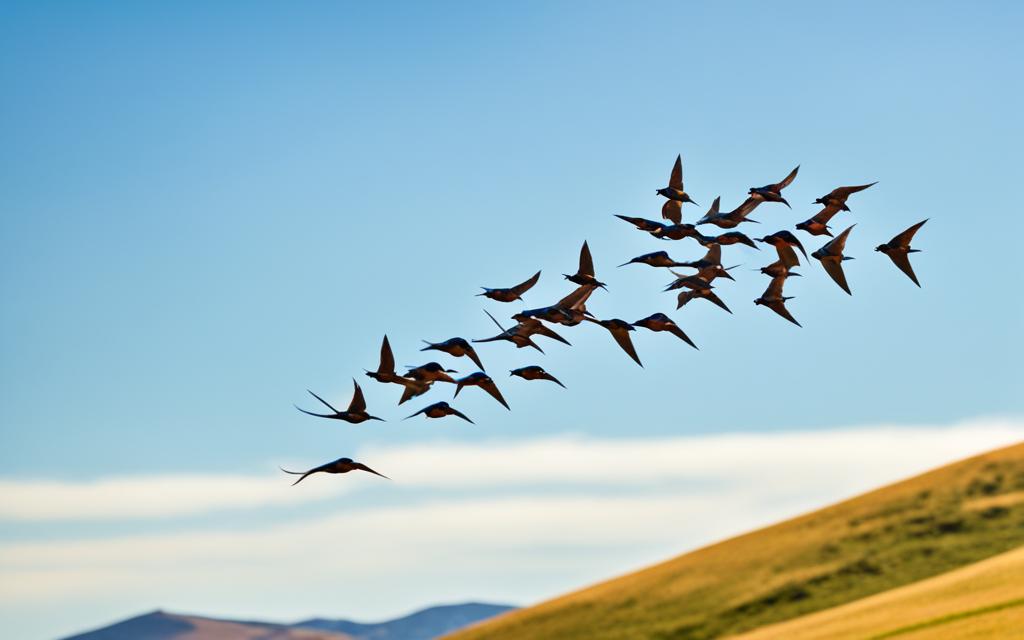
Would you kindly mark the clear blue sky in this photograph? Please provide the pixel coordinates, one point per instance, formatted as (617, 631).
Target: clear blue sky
(208, 208)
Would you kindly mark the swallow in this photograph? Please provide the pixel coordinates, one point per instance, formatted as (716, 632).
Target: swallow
(569, 311)
(512, 293)
(784, 241)
(676, 231)
(620, 331)
(430, 372)
(585, 274)
(512, 334)
(774, 300)
(778, 269)
(699, 289)
(386, 369)
(355, 413)
(440, 410)
(341, 465)
(674, 191)
(643, 224)
(533, 327)
(655, 259)
(734, 217)
(482, 380)
(455, 347)
(817, 225)
(413, 389)
(710, 266)
(726, 239)
(773, 192)
(838, 196)
(831, 257)
(661, 322)
(533, 372)
(898, 249)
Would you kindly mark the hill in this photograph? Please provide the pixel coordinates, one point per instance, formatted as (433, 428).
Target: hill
(422, 625)
(894, 536)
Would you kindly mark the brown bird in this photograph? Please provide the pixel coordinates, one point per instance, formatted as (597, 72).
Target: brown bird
(699, 289)
(513, 334)
(413, 389)
(533, 372)
(511, 294)
(710, 266)
(643, 224)
(430, 372)
(734, 217)
(676, 231)
(482, 380)
(831, 257)
(620, 331)
(898, 249)
(585, 274)
(455, 347)
(817, 225)
(773, 192)
(726, 239)
(440, 410)
(341, 465)
(386, 369)
(784, 241)
(534, 327)
(774, 300)
(674, 191)
(569, 311)
(661, 322)
(838, 196)
(355, 413)
(655, 259)
(778, 269)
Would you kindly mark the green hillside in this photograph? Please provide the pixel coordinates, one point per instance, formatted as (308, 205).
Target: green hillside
(936, 522)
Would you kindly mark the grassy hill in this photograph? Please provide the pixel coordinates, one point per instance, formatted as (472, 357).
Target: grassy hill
(915, 529)
(981, 600)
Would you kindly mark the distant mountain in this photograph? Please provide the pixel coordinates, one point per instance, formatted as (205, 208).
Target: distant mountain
(422, 625)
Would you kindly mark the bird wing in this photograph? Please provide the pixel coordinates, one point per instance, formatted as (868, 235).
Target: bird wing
(780, 308)
(423, 410)
(318, 415)
(387, 358)
(586, 260)
(492, 389)
(787, 180)
(713, 297)
(622, 337)
(774, 289)
(684, 296)
(327, 404)
(672, 210)
(903, 239)
(676, 331)
(503, 329)
(304, 474)
(456, 412)
(676, 179)
(826, 214)
(834, 268)
(714, 254)
(363, 467)
(541, 330)
(358, 403)
(471, 352)
(525, 286)
(844, 192)
(578, 296)
(746, 207)
(787, 255)
(902, 260)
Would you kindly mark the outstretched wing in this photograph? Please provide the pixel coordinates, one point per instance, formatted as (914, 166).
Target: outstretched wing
(363, 467)
(713, 297)
(387, 358)
(837, 245)
(787, 180)
(676, 179)
(577, 297)
(902, 260)
(358, 403)
(834, 268)
(456, 412)
(492, 389)
(305, 474)
(844, 192)
(471, 352)
(586, 261)
(903, 239)
(523, 287)
(780, 308)
(622, 337)
(787, 255)
(327, 404)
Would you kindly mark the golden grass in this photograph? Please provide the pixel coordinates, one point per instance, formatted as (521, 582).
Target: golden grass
(894, 536)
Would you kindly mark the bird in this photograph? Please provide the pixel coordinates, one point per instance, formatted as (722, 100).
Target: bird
(732, 218)
(676, 231)
(655, 259)
(620, 331)
(777, 269)
(838, 196)
(774, 300)
(773, 192)
(430, 372)
(511, 294)
(710, 266)
(513, 334)
(534, 372)
(643, 224)
(341, 465)
(569, 311)
(697, 288)
(817, 225)
(726, 239)
(455, 347)
(784, 241)
(898, 249)
(440, 410)
(585, 274)
(533, 327)
(484, 381)
(674, 191)
(413, 389)
(355, 413)
(386, 369)
(831, 257)
(661, 322)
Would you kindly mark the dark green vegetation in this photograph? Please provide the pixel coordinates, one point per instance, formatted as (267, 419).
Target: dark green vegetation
(915, 529)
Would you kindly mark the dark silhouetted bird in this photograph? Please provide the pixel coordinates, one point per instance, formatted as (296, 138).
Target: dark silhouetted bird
(413, 389)
(710, 266)
(773, 192)
(620, 331)
(482, 380)
(774, 300)
(533, 372)
(831, 257)
(697, 288)
(585, 274)
(898, 249)
(530, 326)
(514, 334)
(341, 465)
(355, 413)
(784, 241)
(569, 311)
(838, 196)
(386, 369)
(512, 293)
(733, 218)
(440, 410)
(430, 372)
(655, 259)
(778, 269)
(817, 225)
(726, 239)
(643, 224)
(661, 322)
(674, 191)
(455, 347)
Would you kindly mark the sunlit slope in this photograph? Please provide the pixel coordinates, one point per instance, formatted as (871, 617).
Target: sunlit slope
(944, 519)
(981, 600)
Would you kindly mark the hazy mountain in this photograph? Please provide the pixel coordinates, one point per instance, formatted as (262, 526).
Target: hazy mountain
(422, 625)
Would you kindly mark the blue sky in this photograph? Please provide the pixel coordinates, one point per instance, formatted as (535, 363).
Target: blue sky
(207, 209)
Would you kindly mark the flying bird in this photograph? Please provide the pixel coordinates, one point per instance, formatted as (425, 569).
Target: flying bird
(585, 274)
(511, 294)
(482, 380)
(838, 196)
(530, 326)
(726, 239)
(533, 372)
(440, 410)
(774, 300)
(620, 331)
(430, 372)
(674, 191)
(355, 413)
(817, 225)
(732, 218)
(661, 322)
(710, 266)
(773, 192)
(831, 257)
(341, 465)
(455, 347)
(414, 389)
(778, 269)
(898, 249)
(569, 311)
(643, 224)
(386, 369)
(676, 232)
(655, 259)
(784, 241)
(513, 334)
(699, 289)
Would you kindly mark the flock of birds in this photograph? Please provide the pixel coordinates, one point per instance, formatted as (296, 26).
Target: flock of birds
(571, 310)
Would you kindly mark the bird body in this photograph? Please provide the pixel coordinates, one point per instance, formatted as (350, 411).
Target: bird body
(838, 196)
(585, 273)
(831, 257)
(733, 218)
(817, 225)
(440, 410)
(455, 347)
(341, 465)
(386, 369)
(430, 372)
(355, 413)
(675, 193)
(661, 322)
(534, 372)
(773, 192)
(898, 249)
(511, 294)
(620, 331)
(654, 259)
